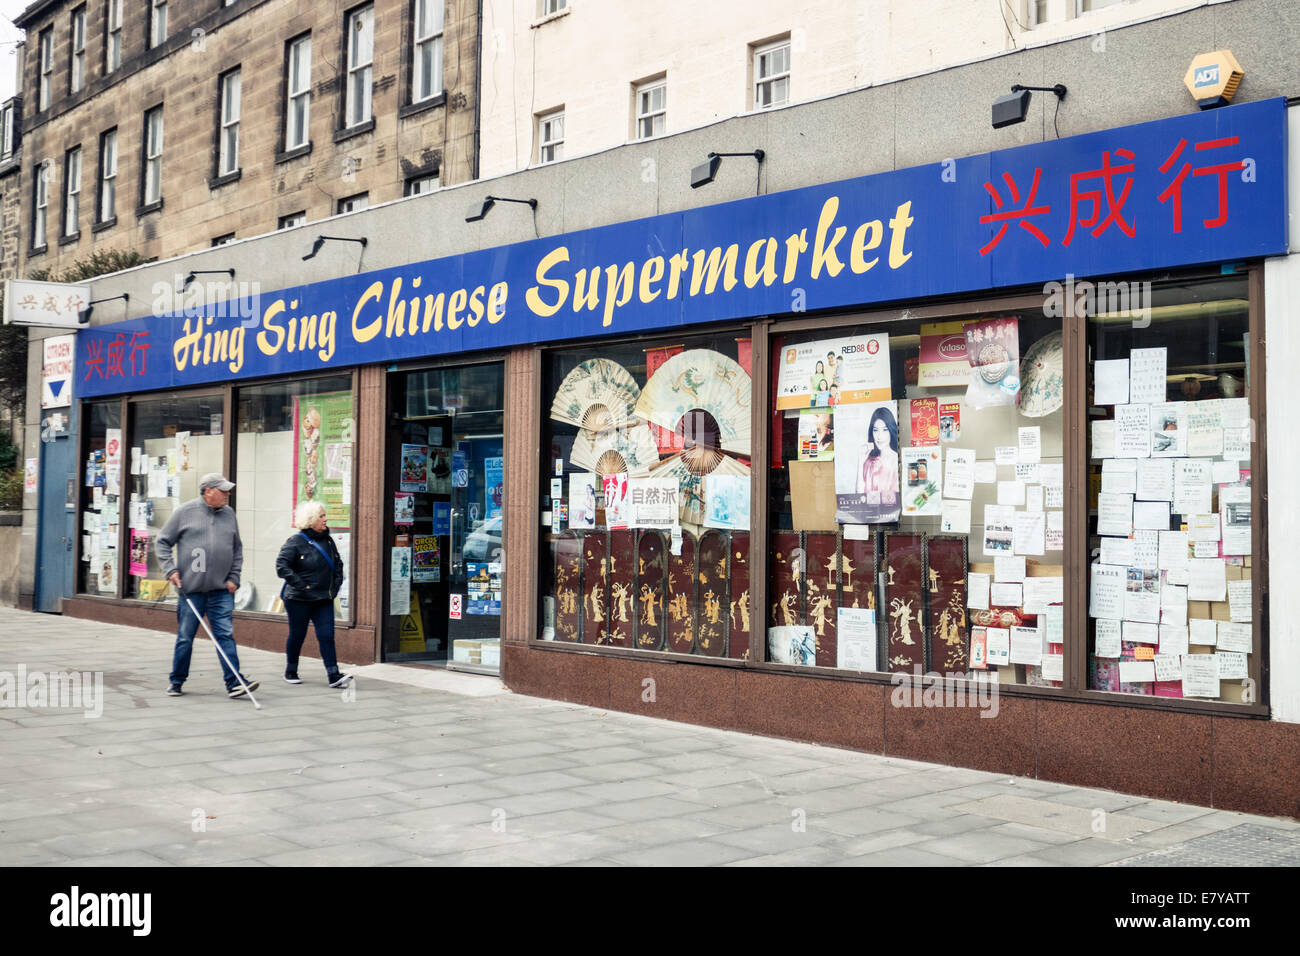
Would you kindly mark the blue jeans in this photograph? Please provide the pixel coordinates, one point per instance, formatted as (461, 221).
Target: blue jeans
(219, 607)
(321, 615)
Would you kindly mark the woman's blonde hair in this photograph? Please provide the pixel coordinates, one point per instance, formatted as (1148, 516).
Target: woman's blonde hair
(306, 513)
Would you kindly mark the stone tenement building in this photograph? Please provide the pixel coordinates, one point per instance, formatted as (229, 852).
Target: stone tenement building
(168, 127)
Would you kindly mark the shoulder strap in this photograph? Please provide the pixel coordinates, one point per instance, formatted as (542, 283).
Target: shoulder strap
(316, 545)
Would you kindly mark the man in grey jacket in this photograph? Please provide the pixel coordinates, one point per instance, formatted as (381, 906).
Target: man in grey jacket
(201, 554)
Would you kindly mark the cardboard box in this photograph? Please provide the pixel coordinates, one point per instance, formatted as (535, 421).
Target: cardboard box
(490, 654)
(1219, 611)
(812, 495)
(467, 652)
(1199, 609)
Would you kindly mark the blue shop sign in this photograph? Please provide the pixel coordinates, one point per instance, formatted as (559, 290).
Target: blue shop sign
(1201, 188)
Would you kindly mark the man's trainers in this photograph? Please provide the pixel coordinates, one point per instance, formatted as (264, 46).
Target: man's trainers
(175, 691)
(291, 677)
(238, 689)
(339, 680)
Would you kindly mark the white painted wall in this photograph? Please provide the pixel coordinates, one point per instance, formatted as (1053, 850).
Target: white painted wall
(588, 58)
(1282, 345)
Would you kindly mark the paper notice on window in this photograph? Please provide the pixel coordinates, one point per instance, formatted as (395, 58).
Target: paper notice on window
(1237, 429)
(1117, 551)
(1232, 666)
(1115, 514)
(1034, 498)
(1055, 531)
(1234, 519)
(977, 591)
(1203, 631)
(1006, 454)
(955, 517)
(1141, 605)
(959, 478)
(1204, 429)
(1026, 646)
(1106, 592)
(998, 645)
(1006, 595)
(1203, 527)
(1119, 476)
(1133, 431)
(1039, 593)
(1191, 486)
(999, 527)
(1108, 638)
(1173, 549)
(1155, 479)
(1051, 624)
(1103, 439)
(1169, 430)
(1141, 632)
(1110, 382)
(1225, 472)
(986, 472)
(1028, 473)
(1201, 675)
(1146, 550)
(856, 639)
(1173, 638)
(1030, 534)
(1009, 569)
(1031, 444)
(1239, 605)
(1147, 381)
(1053, 478)
(1137, 672)
(1234, 637)
(1173, 605)
(1011, 493)
(1168, 667)
(1151, 515)
(1207, 580)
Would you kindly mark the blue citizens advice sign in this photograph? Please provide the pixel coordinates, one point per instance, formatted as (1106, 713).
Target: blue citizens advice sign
(1204, 187)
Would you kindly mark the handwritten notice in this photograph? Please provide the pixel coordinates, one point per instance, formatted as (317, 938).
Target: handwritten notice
(1133, 431)
(1055, 531)
(1030, 533)
(1119, 475)
(955, 517)
(986, 472)
(1204, 429)
(1232, 666)
(1115, 514)
(1237, 429)
(1031, 444)
(1200, 675)
(1234, 637)
(977, 591)
(1203, 631)
(1006, 454)
(1117, 551)
(1040, 593)
(1006, 595)
(1137, 672)
(959, 476)
(1155, 479)
(1009, 569)
(1173, 549)
(1151, 515)
(1239, 606)
(1106, 592)
(1147, 379)
(1208, 580)
(1146, 549)
(1108, 638)
(1011, 493)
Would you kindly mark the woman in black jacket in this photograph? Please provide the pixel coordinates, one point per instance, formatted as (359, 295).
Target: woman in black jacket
(312, 570)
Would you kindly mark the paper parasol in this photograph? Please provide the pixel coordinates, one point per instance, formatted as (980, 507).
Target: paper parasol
(690, 484)
(596, 395)
(1042, 377)
(705, 380)
(615, 450)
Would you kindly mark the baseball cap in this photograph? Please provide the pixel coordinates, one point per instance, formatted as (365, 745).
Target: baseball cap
(215, 480)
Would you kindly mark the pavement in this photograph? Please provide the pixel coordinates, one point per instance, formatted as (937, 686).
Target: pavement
(419, 766)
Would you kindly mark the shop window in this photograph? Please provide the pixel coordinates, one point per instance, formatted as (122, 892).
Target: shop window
(101, 496)
(648, 475)
(174, 442)
(1169, 488)
(916, 499)
(294, 442)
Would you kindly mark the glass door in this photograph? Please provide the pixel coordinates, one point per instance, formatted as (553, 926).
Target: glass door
(443, 507)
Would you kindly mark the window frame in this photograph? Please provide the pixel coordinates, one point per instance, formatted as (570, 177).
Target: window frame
(299, 217)
(550, 8)
(104, 180)
(7, 130)
(45, 69)
(151, 161)
(227, 153)
(72, 168)
(641, 90)
(356, 72)
(761, 50)
(362, 198)
(293, 97)
(555, 145)
(413, 185)
(112, 36)
(430, 39)
(77, 59)
(40, 205)
(156, 26)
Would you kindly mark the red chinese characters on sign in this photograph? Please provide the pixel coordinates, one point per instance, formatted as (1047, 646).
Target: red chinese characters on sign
(125, 355)
(1098, 196)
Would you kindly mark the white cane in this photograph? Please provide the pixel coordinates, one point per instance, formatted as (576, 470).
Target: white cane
(238, 676)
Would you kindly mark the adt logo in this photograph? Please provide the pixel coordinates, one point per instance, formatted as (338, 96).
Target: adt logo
(1207, 76)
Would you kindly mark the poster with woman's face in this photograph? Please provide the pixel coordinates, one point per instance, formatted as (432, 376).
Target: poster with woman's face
(867, 463)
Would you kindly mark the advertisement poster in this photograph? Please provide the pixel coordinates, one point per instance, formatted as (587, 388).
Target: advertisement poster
(816, 435)
(320, 421)
(582, 501)
(668, 440)
(107, 563)
(439, 470)
(792, 644)
(950, 421)
(653, 503)
(993, 350)
(139, 566)
(493, 486)
(726, 501)
(925, 421)
(113, 460)
(343, 541)
(922, 479)
(834, 372)
(867, 464)
(616, 504)
(943, 355)
(403, 508)
(442, 517)
(415, 468)
(399, 586)
(482, 587)
(29, 476)
(426, 560)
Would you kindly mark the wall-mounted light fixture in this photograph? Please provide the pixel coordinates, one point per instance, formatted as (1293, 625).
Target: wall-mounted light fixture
(704, 173)
(479, 211)
(321, 240)
(83, 316)
(206, 272)
(1013, 107)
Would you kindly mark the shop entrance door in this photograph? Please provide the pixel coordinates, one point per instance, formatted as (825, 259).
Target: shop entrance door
(443, 558)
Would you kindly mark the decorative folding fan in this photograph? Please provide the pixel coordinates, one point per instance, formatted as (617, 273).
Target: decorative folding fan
(596, 395)
(1042, 377)
(705, 380)
(615, 450)
(690, 483)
